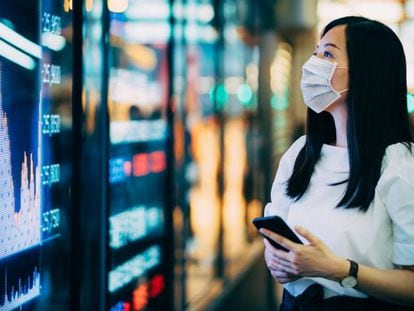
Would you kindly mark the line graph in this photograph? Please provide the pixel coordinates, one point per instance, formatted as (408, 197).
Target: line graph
(25, 291)
(20, 224)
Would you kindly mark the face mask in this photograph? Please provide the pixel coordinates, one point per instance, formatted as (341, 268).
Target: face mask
(317, 90)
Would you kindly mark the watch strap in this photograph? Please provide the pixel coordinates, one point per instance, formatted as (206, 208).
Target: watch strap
(353, 269)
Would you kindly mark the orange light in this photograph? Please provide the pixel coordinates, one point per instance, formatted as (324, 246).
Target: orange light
(89, 5)
(142, 56)
(140, 297)
(117, 6)
(68, 5)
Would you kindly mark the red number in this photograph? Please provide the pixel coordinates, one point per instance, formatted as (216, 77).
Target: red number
(157, 285)
(158, 161)
(127, 306)
(140, 164)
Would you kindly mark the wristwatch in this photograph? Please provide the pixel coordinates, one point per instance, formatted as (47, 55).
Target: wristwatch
(351, 279)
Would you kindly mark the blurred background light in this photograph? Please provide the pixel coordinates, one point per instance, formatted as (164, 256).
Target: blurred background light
(68, 5)
(410, 103)
(88, 5)
(19, 41)
(279, 102)
(14, 55)
(118, 6)
(252, 76)
(142, 56)
(389, 11)
(232, 84)
(147, 32)
(219, 95)
(52, 41)
(149, 10)
(178, 10)
(245, 94)
(409, 8)
(205, 13)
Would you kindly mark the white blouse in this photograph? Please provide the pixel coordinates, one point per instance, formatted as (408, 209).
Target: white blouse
(377, 238)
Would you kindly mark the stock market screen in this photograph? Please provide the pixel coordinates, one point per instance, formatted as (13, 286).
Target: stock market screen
(138, 97)
(35, 172)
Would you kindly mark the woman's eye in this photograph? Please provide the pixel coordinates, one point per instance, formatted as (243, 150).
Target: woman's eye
(327, 54)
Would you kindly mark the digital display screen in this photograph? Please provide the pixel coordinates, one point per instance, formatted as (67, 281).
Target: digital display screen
(35, 170)
(138, 99)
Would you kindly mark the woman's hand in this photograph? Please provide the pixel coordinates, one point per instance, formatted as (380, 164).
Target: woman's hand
(272, 263)
(312, 260)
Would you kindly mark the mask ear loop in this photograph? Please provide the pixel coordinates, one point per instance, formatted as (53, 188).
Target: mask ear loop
(341, 67)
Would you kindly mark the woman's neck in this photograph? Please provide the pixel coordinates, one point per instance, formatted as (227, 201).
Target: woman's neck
(340, 116)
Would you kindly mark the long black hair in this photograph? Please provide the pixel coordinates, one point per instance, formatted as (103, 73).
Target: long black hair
(377, 112)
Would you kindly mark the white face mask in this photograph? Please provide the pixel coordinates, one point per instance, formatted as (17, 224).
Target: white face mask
(317, 89)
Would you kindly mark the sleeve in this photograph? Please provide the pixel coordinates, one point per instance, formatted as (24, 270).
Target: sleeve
(280, 202)
(398, 196)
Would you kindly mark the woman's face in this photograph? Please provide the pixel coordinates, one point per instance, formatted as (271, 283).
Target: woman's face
(332, 47)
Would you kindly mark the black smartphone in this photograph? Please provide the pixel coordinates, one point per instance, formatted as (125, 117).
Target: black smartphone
(279, 226)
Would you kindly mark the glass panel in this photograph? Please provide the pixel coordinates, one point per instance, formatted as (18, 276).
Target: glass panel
(138, 100)
(197, 146)
(35, 154)
(234, 205)
(92, 233)
(241, 200)
(216, 77)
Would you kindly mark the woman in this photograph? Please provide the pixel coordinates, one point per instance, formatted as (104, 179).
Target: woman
(350, 180)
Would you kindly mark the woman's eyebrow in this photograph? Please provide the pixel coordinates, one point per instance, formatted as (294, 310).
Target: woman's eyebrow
(333, 45)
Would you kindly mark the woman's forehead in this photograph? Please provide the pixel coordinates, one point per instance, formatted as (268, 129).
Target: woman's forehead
(336, 35)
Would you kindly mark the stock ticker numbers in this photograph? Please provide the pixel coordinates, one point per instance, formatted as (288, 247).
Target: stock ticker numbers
(135, 224)
(51, 74)
(51, 124)
(141, 295)
(139, 165)
(51, 23)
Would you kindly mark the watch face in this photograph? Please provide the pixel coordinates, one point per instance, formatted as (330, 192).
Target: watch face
(349, 281)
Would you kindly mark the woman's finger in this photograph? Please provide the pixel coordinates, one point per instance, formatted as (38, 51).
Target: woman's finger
(284, 267)
(286, 243)
(282, 274)
(282, 255)
(267, 244)
(282, 279)
(313, 239)
(268, 256)
(283, 264)
(279, 265)
(276, 253)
